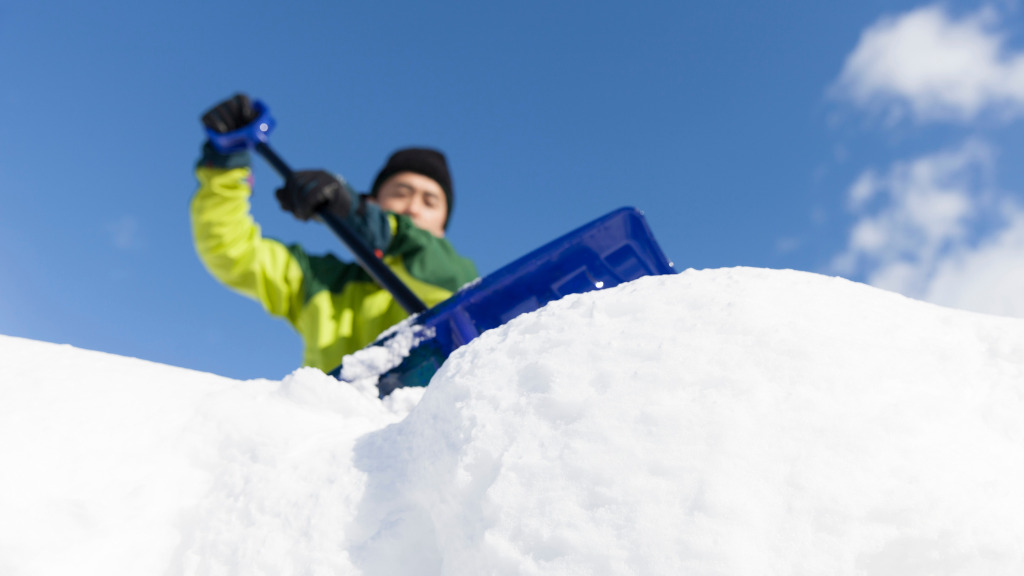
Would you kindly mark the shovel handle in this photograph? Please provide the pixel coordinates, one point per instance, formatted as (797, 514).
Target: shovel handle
(360, 250)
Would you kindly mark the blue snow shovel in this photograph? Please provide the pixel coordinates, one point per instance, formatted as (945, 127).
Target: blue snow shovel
(609, 251)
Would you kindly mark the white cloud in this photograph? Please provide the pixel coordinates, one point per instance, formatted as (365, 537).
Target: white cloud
(125, 233)
(988, 278)
(937, 66)
(786, 245)
(863, 189)
(935, 228)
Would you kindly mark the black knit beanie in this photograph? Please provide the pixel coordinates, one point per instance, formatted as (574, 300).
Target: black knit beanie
(426, 161)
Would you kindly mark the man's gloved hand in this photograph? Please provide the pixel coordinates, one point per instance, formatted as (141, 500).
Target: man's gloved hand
(309, 191)
(230, 114)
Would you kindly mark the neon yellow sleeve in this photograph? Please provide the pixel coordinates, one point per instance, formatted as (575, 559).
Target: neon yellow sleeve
(232, 248)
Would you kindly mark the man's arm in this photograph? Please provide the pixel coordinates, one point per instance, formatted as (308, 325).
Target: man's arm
(230, 243)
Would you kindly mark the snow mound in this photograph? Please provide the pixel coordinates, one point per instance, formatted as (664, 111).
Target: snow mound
(114, 465)
(721, 422)
(730, 421)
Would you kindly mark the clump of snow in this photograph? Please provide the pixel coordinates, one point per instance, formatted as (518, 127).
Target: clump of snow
(717, 422)
(363, 368)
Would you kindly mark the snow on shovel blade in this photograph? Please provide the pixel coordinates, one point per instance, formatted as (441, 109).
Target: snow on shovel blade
(613, 249)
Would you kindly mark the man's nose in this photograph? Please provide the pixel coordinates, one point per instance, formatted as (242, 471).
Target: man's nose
(413, 206)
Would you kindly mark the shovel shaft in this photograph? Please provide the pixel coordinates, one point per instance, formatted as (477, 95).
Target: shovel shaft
(362, 252)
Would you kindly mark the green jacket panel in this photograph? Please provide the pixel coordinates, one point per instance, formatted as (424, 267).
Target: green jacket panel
(333, 305)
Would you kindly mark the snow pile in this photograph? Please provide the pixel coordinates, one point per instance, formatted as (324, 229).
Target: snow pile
(718, 422)
(118, 466)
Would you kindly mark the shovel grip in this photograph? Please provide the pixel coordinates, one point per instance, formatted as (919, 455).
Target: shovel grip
(248, 136)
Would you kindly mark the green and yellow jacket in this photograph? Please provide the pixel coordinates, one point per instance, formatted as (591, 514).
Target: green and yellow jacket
(334, 305)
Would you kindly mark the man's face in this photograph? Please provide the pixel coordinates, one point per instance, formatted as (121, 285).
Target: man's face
(420, 198)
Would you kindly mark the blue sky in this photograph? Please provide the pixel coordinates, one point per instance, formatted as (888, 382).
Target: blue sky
(875, 140)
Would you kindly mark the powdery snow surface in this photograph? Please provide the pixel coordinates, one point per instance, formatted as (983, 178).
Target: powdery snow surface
(737, 421)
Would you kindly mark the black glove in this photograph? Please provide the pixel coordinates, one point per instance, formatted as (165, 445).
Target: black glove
(230, 114)
(309, 191)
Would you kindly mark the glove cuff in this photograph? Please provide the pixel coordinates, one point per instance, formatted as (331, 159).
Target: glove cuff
(214, 158)
(341, 204)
